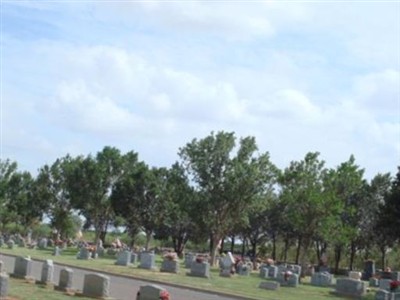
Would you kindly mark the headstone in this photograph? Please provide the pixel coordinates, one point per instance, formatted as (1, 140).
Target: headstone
(10, 244)
(288, 279)
(384, 284)
(43, 243)
(395, 276)
(355, 275)
(369, 270)
(296, 269)
(226, 264)
(324, 268)
(50, 243)
(21, 243)
(243, 269)
(23, 268)
(189, 258)
(263, 271)
(322, 279)
(96, 285)
(134, 258)
(383, 295)
(147, 260)
(373, 282)
(4, 278)
(385, 275)
(1, 241)
(170, 266)
(200, 269)
(151, 292)
(83, 253)
(272, 272)
(56, 251)
(47, 272)
(65, 280)
(124, 258)
(269, 285)
(350, 287)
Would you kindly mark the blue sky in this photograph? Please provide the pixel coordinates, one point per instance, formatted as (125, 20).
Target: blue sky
(149, 76)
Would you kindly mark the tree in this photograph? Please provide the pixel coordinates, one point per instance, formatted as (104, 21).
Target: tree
(94, 180)
(138, 198)
(344, 189)
(301, 194)
(229, 184)
(7, 169)
(180, 213)
(53, 184)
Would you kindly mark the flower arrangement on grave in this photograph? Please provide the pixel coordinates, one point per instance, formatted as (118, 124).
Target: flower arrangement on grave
(171, 256)
(164, 295)
(394, 285)
(287, 275)
(200, 258)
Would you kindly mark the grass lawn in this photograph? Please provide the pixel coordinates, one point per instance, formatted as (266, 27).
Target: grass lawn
(237, 285)
(20, 290)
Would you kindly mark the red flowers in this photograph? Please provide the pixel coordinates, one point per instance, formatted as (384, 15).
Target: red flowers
(394, 285)
(164, 295)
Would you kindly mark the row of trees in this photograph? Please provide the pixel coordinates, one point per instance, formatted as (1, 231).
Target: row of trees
(220, 187)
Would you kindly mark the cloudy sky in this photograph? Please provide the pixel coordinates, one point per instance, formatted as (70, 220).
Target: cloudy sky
(150, 76)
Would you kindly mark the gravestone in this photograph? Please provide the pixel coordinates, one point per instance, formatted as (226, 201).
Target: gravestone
(395, 276)
(288, 279)
(272, 272)
(56, 251)
(263, 271)
(296, 269)
(189, 258)
(269, 285)
(50, 243)
(383, 295)
(10, 244)
(23, 268)
(43, 243)
(134, 258)
(243, 269)
(384, 284)
(369, 270)
(83, 253)
(350, 287)
(322, 279)
(124, 258)
(47, 272)
(170, 266)
(96, 286)
(385, 275)
(200, 269)
(373, 282)
(355, 275)
(226, 264)
(65, 280)
(4, 279)
(147, 260)
(151, 292)
(1, 242)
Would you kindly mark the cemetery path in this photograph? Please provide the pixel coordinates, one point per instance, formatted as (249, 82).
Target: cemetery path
(121, 288)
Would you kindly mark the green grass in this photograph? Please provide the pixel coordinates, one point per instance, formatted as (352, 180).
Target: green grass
(19, 289)
(237, 285)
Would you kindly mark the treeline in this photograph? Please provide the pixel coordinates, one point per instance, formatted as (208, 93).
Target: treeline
(220, 187)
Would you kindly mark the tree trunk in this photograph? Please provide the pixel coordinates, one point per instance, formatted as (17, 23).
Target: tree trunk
(273, 246)
(148, 239)
(221, 249)
(304, 255)
(232, 243)
(215, 242)
(338, 254)
(211, 243)
(285, 249)
(318, 250)
(243, 247)
(299, 240)
(254, 249)
(352, 254)
(383, 256)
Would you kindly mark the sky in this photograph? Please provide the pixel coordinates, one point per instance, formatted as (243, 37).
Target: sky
(150, 76)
